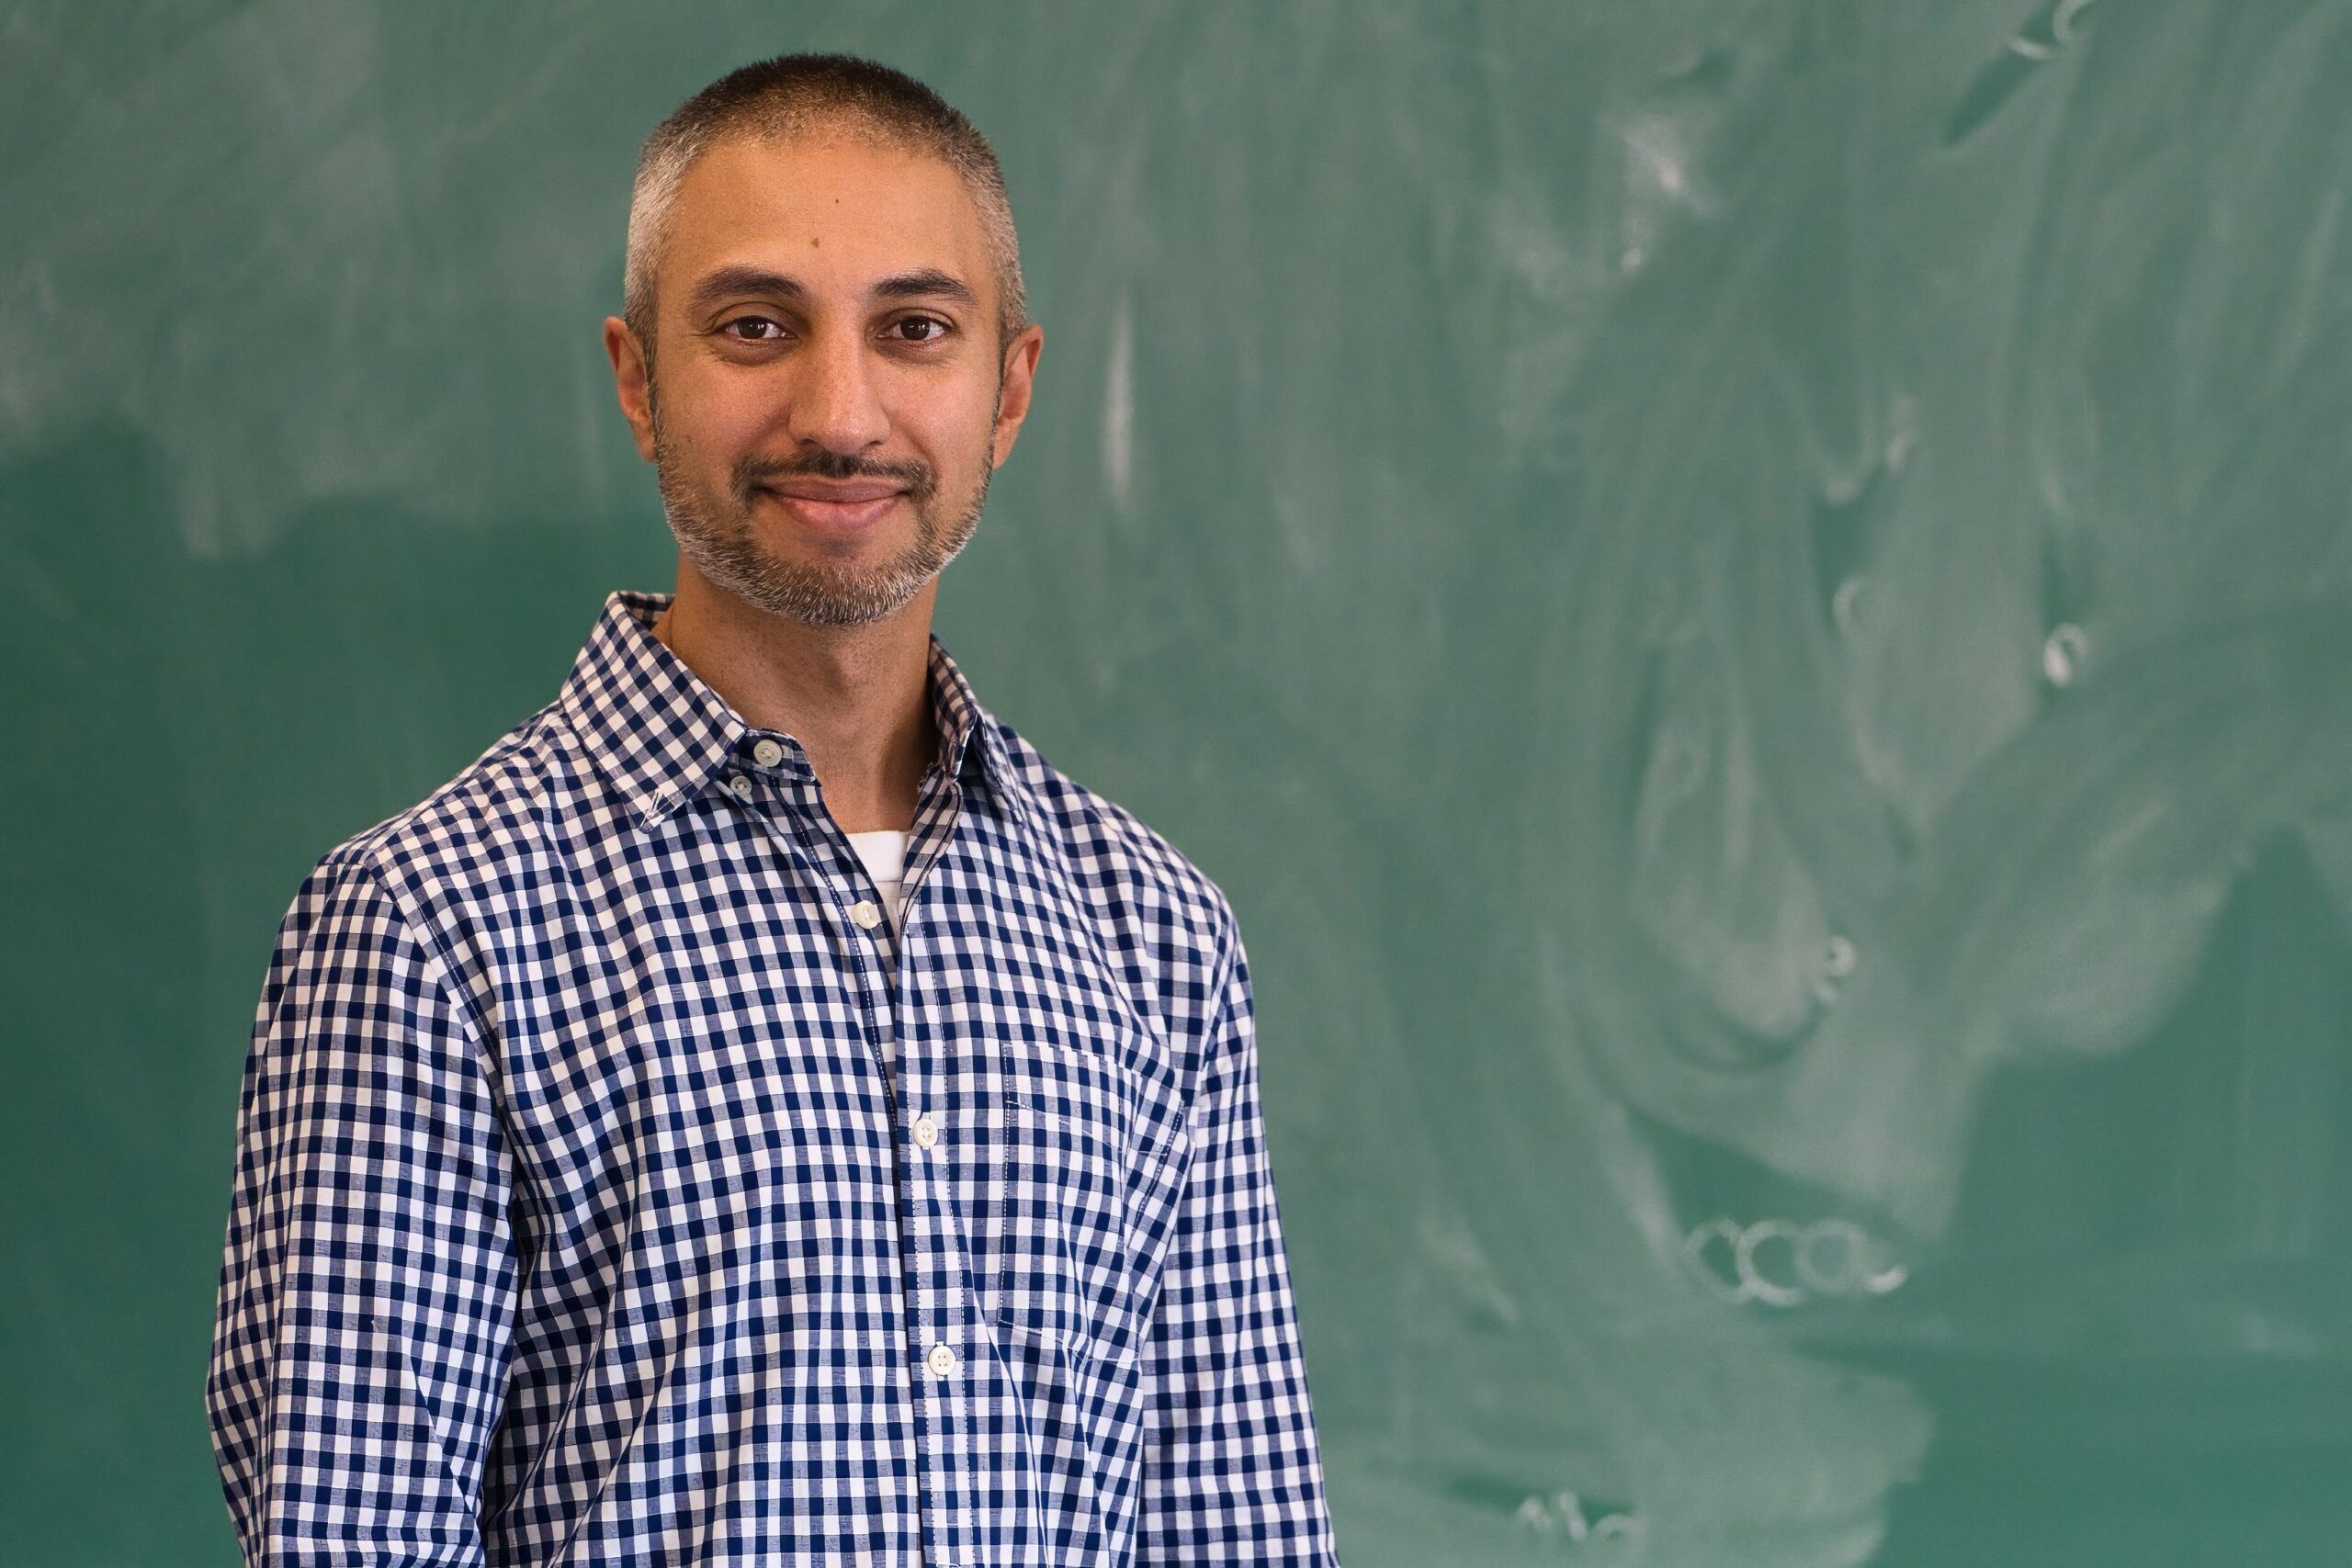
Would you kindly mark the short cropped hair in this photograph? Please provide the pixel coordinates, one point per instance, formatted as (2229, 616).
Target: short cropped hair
(793, 94)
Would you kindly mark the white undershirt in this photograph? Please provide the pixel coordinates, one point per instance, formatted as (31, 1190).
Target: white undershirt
(883, 851)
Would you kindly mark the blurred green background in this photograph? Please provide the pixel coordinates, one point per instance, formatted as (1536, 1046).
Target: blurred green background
(1748, 599)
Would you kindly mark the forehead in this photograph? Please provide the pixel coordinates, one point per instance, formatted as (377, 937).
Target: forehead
(834, 210)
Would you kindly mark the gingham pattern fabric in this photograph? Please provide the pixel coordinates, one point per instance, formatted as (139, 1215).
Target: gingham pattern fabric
(577, 1218)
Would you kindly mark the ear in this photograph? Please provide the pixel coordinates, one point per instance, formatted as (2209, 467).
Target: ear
(631, 382)
(1012, 397)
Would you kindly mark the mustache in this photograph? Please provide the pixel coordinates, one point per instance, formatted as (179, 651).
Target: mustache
(754, 472)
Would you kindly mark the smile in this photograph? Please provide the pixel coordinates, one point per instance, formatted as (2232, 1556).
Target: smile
(840, 517)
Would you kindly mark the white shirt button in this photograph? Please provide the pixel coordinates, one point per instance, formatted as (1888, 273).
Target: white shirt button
(941, 1360)
(740, 786)
(926, 1131)
(866, 913)
(767, 753)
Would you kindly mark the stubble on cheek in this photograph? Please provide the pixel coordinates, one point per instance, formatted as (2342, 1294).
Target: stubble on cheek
(718, 535)
(715, 529)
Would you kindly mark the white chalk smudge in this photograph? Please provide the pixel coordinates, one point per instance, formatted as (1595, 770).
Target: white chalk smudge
(1119, 408)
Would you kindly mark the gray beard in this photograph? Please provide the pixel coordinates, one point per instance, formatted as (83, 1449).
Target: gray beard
(725, 551)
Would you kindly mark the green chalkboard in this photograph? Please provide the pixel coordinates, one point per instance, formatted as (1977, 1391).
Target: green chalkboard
(1751, 599)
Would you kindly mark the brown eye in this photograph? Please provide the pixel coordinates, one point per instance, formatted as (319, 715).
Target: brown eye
(752, 321)
(939, 328)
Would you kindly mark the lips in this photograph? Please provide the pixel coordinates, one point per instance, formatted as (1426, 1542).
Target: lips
(868, 490)
(836, 509)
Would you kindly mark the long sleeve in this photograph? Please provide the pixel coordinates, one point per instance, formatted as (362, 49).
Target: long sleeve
(1230, 1469)
(367, 1281)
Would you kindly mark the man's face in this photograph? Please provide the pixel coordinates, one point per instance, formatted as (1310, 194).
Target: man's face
(827, 400)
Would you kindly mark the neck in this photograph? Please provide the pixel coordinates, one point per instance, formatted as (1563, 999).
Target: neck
(857, 698)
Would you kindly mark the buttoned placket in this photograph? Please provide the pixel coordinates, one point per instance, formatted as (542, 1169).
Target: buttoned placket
(940, 1323)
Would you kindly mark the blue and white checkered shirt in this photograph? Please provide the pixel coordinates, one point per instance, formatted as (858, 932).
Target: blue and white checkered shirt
(606, 1194)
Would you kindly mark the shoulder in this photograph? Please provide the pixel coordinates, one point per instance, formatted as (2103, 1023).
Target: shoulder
(1171, 925)
(476, 844)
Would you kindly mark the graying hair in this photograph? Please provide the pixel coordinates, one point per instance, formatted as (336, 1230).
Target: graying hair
(792, 95)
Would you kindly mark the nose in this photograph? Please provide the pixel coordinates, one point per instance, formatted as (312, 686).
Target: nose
(835, 403)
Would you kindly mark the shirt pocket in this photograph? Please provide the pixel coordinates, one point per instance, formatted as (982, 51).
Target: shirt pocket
(1087, 1192)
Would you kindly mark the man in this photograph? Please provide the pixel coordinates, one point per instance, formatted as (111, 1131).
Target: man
(761, 1112)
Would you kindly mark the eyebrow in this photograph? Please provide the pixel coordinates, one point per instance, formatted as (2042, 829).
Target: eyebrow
(729, 281)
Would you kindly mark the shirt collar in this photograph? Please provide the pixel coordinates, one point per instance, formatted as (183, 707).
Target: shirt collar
(660, 735)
